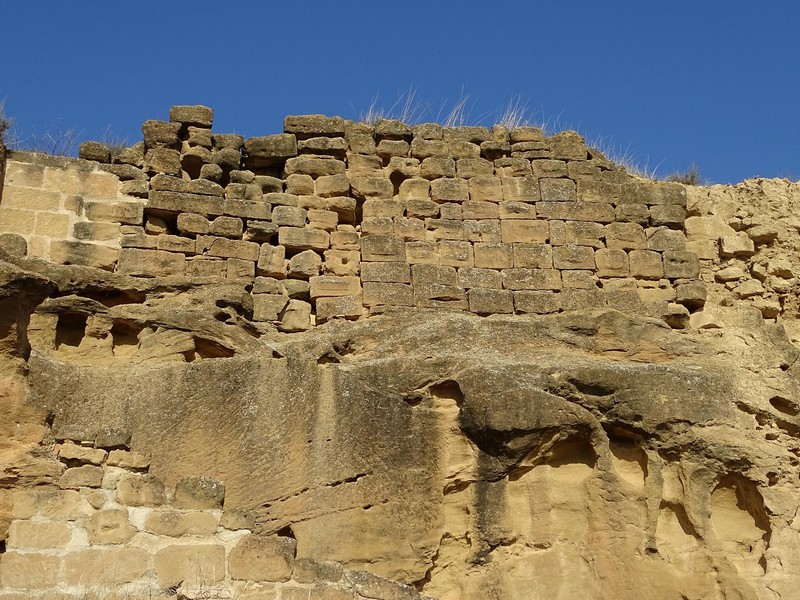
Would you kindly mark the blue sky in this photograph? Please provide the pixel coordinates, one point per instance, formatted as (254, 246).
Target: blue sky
(672, 83)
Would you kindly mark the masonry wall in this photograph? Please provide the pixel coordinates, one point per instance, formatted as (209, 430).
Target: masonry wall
(109, 529)
(339, 219)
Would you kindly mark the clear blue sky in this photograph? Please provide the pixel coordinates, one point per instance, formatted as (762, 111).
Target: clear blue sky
(716, 83)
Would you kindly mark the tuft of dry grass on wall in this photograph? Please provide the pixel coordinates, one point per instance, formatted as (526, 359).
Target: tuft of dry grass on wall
(690, 176)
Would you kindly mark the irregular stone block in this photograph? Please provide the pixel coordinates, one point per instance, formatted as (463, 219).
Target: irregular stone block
(580, 299)
(109, 527)
(175, 523)
(612, 263)
(107, 567)
(485, 230)
(422, 252)
(449, 190)
(160, 134)
(126, 213)
(150, 263)
(140, 490)
(524, 230)
(297, 238)
(83, 476)
(26, 535)
(128, 460)
(296, 317)
(378, 293)
(349, 307)
(269, 307)
(681, 265)
(531, 279)
(74, 454)
(485, 301)
(177, 202)
(269, 150)
(488, 189)
(557, 190)
(537, 302)
(48, 502)
(436, 295)
(197, 115)
(263, 558)
(456, 253)
(202, 564)
(646, 264)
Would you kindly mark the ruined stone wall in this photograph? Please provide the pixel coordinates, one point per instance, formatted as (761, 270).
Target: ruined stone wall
(109, 529)
(336, 219)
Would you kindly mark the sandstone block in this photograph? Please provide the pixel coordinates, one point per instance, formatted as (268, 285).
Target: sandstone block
(272, 261)
(236, 268)
(74, 454)
(456, 253)
(485, 301)
(584, 233)
(524, 230)
(665, 239)
(263, 558)
(578, 279)
(612, 263)
(692, 295)
(436, 295)
(128, 460)
(140, 490)
(392, 148)
(408, 229)
(109, 527)
(26, 535)
(163, 160)
(576, 211)
(13, 244)
(83, 476)
(625, 236)
(160, 134)
(383, 208)
(107, 567)
(229, 227)
(331, 285)
(572, 256)
(486, 189)
(520, 189)
(177, 202)
(422, 149)
(430, 274)
(447, 189)
(707, 228)
(481, 210)
(485, 230)
(24, 174)
(190, 565)
(364, 187)
(517, 210)
(17, 221)
(29, 571)
(305, 264)
(308, 570)
(416, 189)
(670, 215)
(633, 213)
(493, 255)
(382, 248)
(306, 126)
(197, 115)
(549, 168)
(580, 299)
(298, 238)
(738, 244)
(422, 252)
(444, 229)
(150, 263)
(175, 243)
(568, 145)
(532, 256)
(315, 167)
(468, 168)
(681, 265)
(342, 262)
(269, 307)
(473, 277)
(48, 502)
(537, 302)
(557, 190)
(646, 264)
(329, 186)
(377, 226)
(296, 317)
(349, 307)
(378, 293)
(386, 272)
(126, 213)
(290, 216)
(268, 151)
(175, 523)
(531, 279)
(89, 231)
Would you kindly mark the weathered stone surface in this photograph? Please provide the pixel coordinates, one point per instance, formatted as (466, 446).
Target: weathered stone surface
(263, 558)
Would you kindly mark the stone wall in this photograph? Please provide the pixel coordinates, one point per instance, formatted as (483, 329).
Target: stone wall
(109, 529)
(339, 219)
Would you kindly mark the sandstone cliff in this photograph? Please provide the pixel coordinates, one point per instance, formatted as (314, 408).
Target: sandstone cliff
(352, 361)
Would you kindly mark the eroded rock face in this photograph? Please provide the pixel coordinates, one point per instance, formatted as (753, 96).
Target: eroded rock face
(586, 454)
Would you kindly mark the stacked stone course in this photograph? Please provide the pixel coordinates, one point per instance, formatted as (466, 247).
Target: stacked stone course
(334, 218)
(109, 529)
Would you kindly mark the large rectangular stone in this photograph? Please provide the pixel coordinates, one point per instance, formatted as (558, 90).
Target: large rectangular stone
(66, 252)
(299, 238)
(436, 295)
(483, 189)
(537, 302)
(107, 567)
(349, 307)
(456, 253)
(531, 279)
(150, 263)
(444, 229)
(473, 277)
(485, 230)
(422, 252)
(31, 198)
(29, 571)
(382, 248)
(386, 272)
(523, 189)
(177, 202)
(428, 274)
(524, 230)
(533, 256)
(316, 167)
(557, 190)
(599, 212)
(485, 301)
(269, 150)
(572, 256)
(494, 255)
(226, 248)
(449, 190)
(201, 564)
(377, 293)
(126, 213)
(331, 285)
(43, 535)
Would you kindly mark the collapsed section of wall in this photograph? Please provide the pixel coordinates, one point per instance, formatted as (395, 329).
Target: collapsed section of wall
(336, 219)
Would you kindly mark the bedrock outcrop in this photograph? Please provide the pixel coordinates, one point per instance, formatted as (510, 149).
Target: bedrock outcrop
(575, 455)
